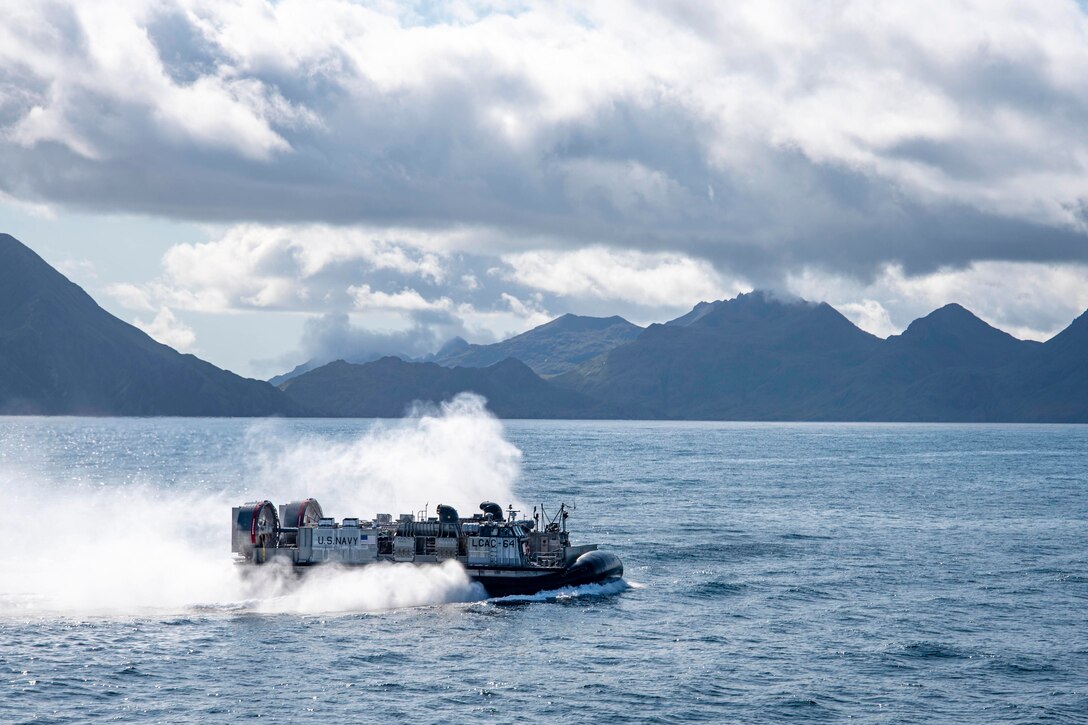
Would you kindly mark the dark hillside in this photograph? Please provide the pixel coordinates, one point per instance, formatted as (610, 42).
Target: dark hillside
(60, 353)
(388, 387)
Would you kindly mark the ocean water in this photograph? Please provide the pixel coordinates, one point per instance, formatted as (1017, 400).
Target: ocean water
(816, 572)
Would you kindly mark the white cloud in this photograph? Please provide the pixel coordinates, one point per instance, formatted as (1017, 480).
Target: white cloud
(169, 330)
(280, 268)
(652, 280)
(709, 128)
(83, 270)
(130, 296)
(380, 290)
(870, 316)
(406, 300)
(116, 62)
(510, 317)
(1029, 300)
(626, 155)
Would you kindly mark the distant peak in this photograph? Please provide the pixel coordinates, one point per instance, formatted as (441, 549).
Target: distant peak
(582, 323)
(954, 321)
(950, 314)
(453, 346)
(756, 299)
(953, 309)
(771, 297)
(700, 310)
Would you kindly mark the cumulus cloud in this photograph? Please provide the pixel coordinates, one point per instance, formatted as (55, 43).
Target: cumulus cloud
(406, 300)
(367, 292)
(169, 330)
(1029, 300)
(357, 338)
(655, 280)
(335, 336)
(469, 167)
(753, 134)
(285, 268)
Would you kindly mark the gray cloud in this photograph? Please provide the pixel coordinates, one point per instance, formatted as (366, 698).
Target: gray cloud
(629, 150)
(455, 132)
(333, 336)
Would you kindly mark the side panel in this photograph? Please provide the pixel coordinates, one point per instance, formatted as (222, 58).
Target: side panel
(494, 551)
(305, 544)
(345, 544)
(446, 548)
(404, 548)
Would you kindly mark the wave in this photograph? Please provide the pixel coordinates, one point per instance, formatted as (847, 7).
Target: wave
(584, 591)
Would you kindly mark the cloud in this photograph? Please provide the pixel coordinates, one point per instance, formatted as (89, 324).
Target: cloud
(169, 330)
(759, 135)
(81, 268)
(1029, 300)
(280, 268)
(354, 336)
(130, 296)
(652, 280)
(334, 336)
(406, 300)
(466, 168)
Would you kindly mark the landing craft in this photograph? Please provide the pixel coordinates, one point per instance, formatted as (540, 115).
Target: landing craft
(505, 554)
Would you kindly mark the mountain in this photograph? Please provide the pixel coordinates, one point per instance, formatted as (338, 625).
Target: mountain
(699, 311)
(1051, 385)
(315, 363)
(948, 365)
(550, 349)
(756, 357)
(759, 357)
(388, 387)
(294, 372)
(60, 353)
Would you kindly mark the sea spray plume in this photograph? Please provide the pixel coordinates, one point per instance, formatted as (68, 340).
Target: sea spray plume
(381, 586)
(148, 548)
(139, 550)
(112, 549)
(454, 454)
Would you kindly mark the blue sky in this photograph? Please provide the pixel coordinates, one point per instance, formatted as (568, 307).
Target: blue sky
(260, 183)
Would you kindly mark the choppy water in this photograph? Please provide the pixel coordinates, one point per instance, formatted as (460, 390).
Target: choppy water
(891, 573)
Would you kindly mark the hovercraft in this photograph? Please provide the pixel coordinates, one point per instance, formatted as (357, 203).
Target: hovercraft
(506, 555)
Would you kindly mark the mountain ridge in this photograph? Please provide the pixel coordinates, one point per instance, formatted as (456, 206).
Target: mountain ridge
(63, 354)
(550, 349)
(761, 357)
(389, 387)
(758, 356)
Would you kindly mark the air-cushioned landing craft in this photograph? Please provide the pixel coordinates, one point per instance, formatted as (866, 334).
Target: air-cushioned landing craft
(504, 554)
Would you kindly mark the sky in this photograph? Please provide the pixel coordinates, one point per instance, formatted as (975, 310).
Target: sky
(261, 183)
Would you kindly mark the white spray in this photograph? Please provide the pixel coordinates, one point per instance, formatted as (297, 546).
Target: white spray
(146, 549)
(455, 455)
